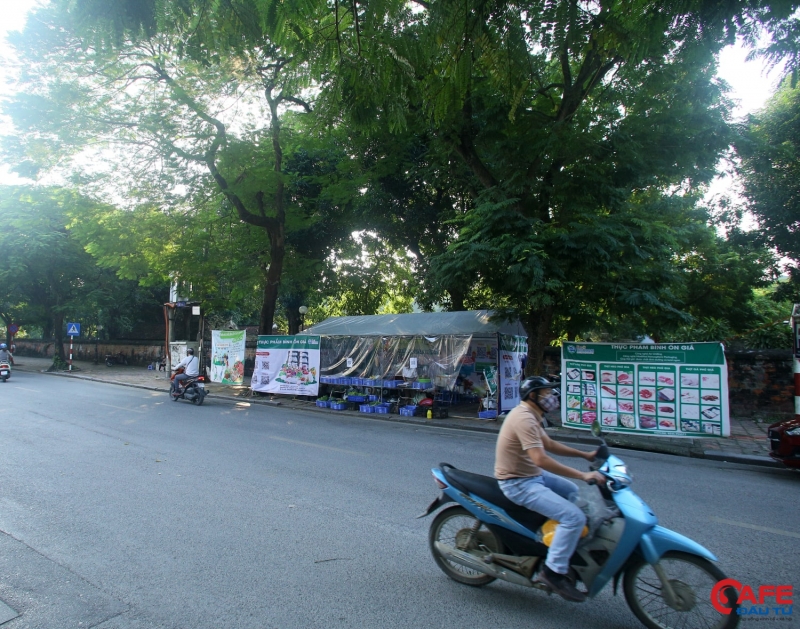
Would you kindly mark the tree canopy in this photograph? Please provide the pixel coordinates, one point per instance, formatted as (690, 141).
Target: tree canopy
(545, 159)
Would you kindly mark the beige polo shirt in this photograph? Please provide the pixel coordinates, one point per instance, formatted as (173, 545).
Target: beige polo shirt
(521, 430)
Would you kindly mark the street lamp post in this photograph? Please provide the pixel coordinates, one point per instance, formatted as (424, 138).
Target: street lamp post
(96, 343)
(302, 310)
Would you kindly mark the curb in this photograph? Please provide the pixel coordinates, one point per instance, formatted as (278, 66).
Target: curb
(748, 459)
(690, 450)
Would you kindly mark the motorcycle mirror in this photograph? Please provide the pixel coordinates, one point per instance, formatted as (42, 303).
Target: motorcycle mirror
(596, 430)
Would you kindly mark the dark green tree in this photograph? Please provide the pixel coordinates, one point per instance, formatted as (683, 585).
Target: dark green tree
(768, 147)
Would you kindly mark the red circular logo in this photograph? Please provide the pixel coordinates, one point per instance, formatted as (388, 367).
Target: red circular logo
(722, 598)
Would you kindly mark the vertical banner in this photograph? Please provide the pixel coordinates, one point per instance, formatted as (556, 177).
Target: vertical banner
(287, 364)
(227, 356)
(672, 390)
(513, 351)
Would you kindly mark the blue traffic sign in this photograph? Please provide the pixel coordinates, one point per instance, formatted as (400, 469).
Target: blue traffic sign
(73, 329)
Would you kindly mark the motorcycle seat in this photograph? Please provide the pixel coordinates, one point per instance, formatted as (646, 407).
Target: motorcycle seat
(486, 487)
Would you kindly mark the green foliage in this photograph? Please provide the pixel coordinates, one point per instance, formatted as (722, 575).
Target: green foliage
(769, 149)
(46, 276)
(371, 279)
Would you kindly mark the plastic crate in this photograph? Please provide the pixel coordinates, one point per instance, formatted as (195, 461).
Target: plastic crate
(338, 406)
(372, 398)
(487, 414)
(356, 398)
(323, 403)
(366, 408)
(381, 410)
(406, 412)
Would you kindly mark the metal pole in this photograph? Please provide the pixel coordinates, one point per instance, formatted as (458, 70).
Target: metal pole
(71, 338)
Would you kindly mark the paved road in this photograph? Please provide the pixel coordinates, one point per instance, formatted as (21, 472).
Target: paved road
(120, 509)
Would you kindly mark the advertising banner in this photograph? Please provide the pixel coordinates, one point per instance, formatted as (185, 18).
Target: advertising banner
(288, 365)
(513, 352)
(227, 356)
(671, 390)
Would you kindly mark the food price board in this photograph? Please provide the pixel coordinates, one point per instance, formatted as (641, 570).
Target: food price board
(671, 390)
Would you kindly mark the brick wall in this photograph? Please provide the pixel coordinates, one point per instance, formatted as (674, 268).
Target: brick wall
(760, 383)
(137, 352)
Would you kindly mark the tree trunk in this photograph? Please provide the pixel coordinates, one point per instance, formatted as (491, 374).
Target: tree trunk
(537, 325)
(456, 300)
(272, 286)
(6, 318)
(58, 335)
(293, 317)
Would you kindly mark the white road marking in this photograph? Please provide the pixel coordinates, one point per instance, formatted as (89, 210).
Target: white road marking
(756, 527)
(24, 389)
(317, 445)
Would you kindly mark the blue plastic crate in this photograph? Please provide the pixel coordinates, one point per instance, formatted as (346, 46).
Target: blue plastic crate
(365, 408)
(487, 414)
(381, 410)
(406, 413)
(372, 398)
(356, 398)
(323, 403)
(338, 406)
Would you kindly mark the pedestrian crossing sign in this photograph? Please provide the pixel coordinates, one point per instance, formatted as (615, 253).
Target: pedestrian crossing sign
(73, 329)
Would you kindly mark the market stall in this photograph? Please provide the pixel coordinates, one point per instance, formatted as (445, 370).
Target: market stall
(439, 356)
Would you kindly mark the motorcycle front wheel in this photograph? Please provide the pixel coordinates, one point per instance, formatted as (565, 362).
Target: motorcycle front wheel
(457, 527)
(692, 579)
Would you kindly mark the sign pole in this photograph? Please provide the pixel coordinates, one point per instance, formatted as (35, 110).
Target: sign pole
(71, 338)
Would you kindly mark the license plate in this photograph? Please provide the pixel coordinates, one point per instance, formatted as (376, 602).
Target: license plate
(4, 372)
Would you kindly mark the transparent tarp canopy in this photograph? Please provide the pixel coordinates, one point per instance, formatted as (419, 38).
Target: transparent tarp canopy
(424, 346)
(394, 357)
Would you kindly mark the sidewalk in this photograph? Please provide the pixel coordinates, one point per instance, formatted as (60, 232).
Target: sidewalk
(747, 443)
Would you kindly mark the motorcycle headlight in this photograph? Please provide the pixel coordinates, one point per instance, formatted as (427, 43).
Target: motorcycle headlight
(794, 432)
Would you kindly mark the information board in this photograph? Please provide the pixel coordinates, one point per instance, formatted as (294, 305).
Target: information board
(287, 364)
(674, 390)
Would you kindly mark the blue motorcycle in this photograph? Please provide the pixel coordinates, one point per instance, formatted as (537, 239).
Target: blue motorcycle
(668, 580)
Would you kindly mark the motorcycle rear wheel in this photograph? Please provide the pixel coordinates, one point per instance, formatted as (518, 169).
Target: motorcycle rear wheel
(692, 579)
(199, 397)
(452, 527)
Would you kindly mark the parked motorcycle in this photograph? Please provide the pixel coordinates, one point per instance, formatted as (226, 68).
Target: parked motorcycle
(193, 389)
(116, 359)
(5, 371)
(668, 580)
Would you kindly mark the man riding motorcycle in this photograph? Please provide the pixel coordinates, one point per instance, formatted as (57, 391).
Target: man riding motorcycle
(191, 369)
(530, 478)
(5, 355)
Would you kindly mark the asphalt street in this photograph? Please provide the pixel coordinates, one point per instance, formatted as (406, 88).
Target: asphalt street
(120, 509)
